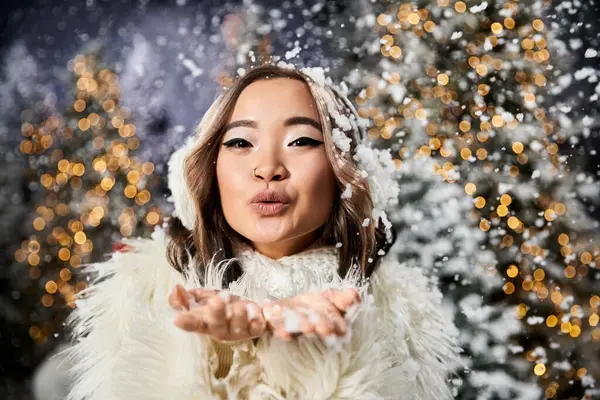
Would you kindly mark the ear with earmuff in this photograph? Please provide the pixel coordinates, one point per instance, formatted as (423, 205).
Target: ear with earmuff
(180, 194)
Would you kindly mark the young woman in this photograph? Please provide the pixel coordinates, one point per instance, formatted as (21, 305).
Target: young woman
(271, 281)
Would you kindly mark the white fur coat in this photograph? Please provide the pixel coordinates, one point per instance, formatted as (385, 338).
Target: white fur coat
(400, 344)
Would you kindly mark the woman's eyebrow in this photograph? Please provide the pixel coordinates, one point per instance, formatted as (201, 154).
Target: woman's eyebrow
(288, 122)
(241, 122)
(302, 121)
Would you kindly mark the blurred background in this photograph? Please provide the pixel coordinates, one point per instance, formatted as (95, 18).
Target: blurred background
(490, 109)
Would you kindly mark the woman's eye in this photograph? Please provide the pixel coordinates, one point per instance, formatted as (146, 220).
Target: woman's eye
(306, 141)
(236, 143)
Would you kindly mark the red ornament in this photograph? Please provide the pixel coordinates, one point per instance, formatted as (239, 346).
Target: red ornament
(120, 247)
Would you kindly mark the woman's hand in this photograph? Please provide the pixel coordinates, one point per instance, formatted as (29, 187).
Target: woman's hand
(217, 313)
(310, 313)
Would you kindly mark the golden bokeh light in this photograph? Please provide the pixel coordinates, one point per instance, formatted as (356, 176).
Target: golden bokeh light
(470, 188)
(512, 271)
(539, 369)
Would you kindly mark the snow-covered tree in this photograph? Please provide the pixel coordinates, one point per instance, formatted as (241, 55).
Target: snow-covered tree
(465, 85)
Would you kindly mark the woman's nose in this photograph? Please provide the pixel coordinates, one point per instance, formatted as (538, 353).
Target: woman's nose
(273, 172)
(268, 160)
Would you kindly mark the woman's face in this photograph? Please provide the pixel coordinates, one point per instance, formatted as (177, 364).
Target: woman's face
(273, 143)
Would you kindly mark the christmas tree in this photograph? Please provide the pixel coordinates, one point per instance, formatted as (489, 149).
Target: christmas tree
(88, 191)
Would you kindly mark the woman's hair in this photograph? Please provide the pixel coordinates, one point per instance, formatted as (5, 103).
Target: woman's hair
(212, 239)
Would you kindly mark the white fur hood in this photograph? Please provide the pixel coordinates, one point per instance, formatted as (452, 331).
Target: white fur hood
(400, 344)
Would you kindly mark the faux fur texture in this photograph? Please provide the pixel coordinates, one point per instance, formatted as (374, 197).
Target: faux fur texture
(180, 194)
(399, 346)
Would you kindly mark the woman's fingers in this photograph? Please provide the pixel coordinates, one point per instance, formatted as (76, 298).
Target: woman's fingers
(352, 297)
(239, 320)
(178, 298)
(183, 296)
(216, 318)
(256, 321)
(283, 334)
(217, 313)
(207, 317)
(328, 318)
(309, 313)
(275, 315)
(342, 299)
(201, 294)
(182, 299)
(296, 321)
(191, 322)
(272, 314)
(337, 322)
(173, 301)
(325, 323)
(306, 326)
(257, 328)
(276, 321)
